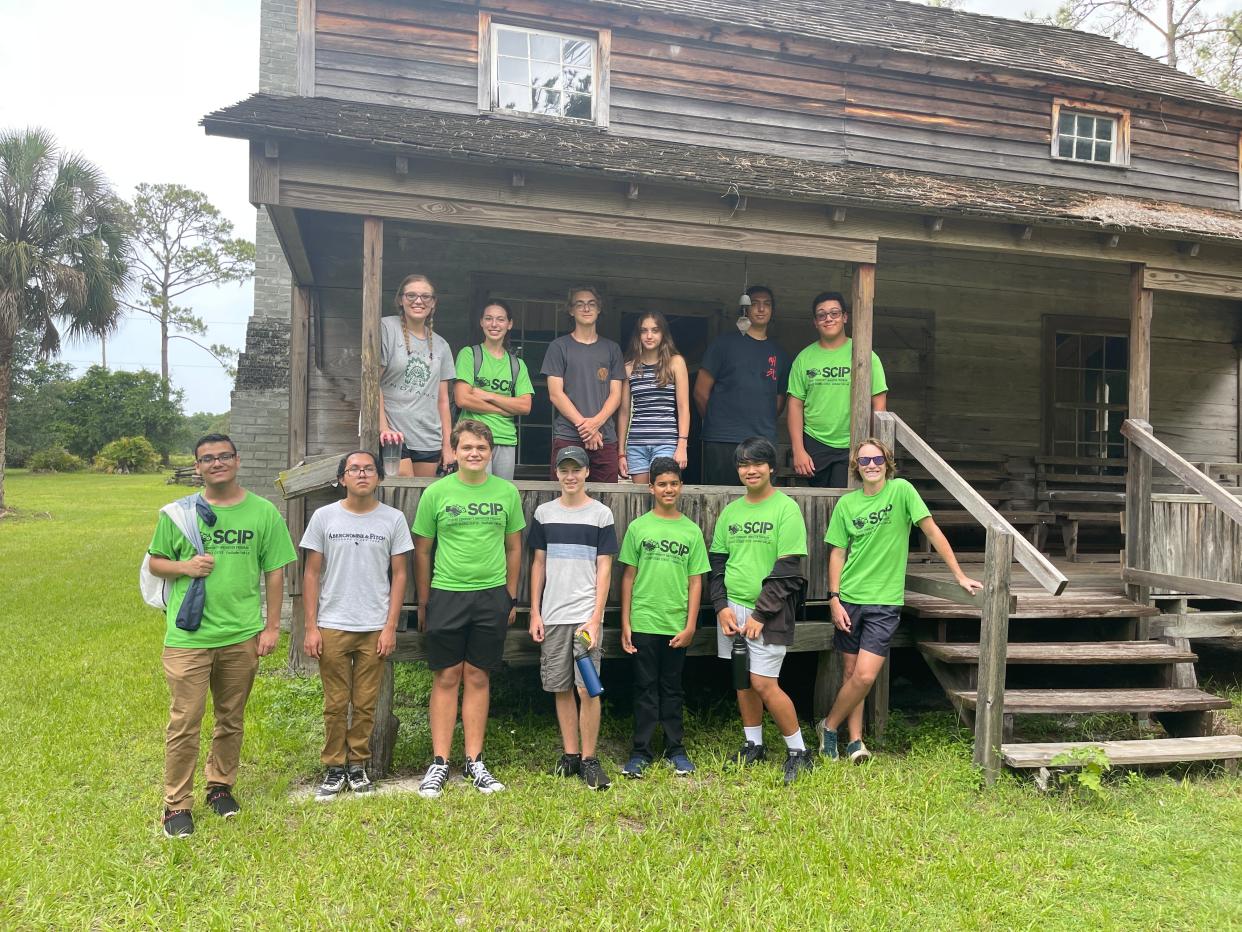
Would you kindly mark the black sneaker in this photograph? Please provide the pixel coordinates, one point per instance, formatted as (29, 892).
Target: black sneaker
(221, 800)
(178, 823)
(796, 761)
(570, 765)
(359, 782)
(333, 784)
(750, 753)
(477, 773)
(593, 775)
(434, 779)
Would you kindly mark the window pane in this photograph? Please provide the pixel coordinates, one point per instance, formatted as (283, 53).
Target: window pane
(545, 74)
(1104, 129)
(547, 102)
(1116, 353)
(532, 354)
(1118, 388)
(1068, 350)
(1103, 152)
(577, 80)
(545, 48)
(1088, 427)
(511, 42)
(578, 107)
(1093, 386)
(1068, 385)
(1092, 351)
(1065, 124)
(577, 52)
(1063, 426)
(1065, 147)
(1114, 428)
(514, 97)
(540, 408)
(512, 70)
(1082, 149)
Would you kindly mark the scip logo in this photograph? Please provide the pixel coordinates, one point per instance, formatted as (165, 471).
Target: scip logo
(649, 546)
(734, 528)
(859, 523)
(455, 510)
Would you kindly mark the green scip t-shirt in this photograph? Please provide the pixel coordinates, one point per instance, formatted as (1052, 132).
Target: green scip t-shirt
(821, 379)
(876, 529)
(469, 524)
(755, 537)
(494, 376)
(247, 540)
(666, 552)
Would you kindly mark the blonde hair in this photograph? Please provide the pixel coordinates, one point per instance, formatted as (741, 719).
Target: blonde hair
(399, 304)
(890, 463)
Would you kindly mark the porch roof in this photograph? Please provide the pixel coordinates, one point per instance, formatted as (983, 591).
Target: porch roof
(523, 144)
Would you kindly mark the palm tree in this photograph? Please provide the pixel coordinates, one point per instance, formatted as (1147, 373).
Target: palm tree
(63, 251)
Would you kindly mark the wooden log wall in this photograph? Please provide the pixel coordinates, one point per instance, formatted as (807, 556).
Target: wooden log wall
(1191, 537)
(671, 80)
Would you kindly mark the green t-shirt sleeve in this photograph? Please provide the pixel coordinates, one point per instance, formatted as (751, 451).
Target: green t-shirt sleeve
(837, 535)
(629, 548)
(167, 540)
(915, 505)
(524, 386)
(797, 379)
(791, 541)
(718, 535)
(425, 517)
(878, 384)
(465, 365)
(698, 563)
(516, 520)
(278, 547)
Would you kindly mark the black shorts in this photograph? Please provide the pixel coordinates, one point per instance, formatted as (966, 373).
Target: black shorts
(420, 456)
(871, 629)
(832, 464)
(470, 626)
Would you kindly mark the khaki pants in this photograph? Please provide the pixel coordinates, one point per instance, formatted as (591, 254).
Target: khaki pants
(351, 671)
(228, 672)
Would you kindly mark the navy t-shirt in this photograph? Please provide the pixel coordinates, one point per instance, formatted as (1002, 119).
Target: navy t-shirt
(750, 376)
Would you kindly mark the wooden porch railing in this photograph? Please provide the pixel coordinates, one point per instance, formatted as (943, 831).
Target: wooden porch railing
(1004, 544)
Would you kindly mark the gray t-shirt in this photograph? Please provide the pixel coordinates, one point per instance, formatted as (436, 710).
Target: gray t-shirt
(410, 383)
(357, 553)
(589, 369)
(572, 538)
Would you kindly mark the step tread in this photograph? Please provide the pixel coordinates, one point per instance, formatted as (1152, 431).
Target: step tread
(1065, 652)
(1147, 751)
(1044, 701)
(1037, 605)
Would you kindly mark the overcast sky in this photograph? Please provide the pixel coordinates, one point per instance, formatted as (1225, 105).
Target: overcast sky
(125, 85)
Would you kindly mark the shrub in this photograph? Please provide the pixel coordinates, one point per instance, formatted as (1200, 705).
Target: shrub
(128, 454)
(55, 459)
(179, 460)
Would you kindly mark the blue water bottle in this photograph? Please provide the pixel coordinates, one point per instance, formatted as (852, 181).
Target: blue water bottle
(586, 669)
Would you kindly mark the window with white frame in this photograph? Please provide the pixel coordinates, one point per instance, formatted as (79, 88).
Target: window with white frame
(544, 73)
(1090, 133)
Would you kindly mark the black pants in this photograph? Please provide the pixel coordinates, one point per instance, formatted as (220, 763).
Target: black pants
(719, 464)
(658, 694)
(832, 465)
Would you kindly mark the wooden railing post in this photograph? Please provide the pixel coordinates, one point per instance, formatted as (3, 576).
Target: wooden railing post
(861, 328)
(993, 648)
(372, 310)
(1138, 465)
(299, 365)
(1138, 516)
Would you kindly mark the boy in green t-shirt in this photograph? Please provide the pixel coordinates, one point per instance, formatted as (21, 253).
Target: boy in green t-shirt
(756, 581)
(869, 533)
(819, 396)
(244, 538)
(665, 559)
(475, 523)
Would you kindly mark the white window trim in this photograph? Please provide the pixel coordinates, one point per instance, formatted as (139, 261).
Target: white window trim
(488, 102)
(1121, 142)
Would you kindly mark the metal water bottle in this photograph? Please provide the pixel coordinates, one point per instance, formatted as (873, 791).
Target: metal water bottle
(740, 657)
(586, 669)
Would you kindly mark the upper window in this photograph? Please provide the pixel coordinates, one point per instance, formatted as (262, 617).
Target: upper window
(1090, 133)
(544, 73)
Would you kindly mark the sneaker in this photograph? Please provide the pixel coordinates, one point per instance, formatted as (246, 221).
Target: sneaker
(827, 742)
(634, 767)
(682, 765)
(178, 823)
(434, 779)
(570, 765)
(857, 752)
(221, 800)
(796, 761)
(359, 782)
(750, 753)
(333, 783)
(593, 775)
(484, 782)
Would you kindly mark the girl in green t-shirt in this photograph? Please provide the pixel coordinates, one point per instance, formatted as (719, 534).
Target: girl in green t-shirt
(869, 534)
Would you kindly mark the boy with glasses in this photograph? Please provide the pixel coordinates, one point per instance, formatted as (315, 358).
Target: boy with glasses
(244, 537)
(819, 396)
(356, 560)
(585, 372)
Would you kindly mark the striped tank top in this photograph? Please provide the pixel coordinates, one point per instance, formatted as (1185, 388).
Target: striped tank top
(653, 420)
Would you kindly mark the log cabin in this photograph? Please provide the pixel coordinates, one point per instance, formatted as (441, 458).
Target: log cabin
(1039, 230)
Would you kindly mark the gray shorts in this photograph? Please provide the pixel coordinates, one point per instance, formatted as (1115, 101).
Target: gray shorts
(557, 670)
(871, 629)
(765, 659)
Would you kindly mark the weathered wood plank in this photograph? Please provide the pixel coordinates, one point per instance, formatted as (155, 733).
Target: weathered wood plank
(264, 177)
(993, 642)
(1198, 625)
(1066, 653)
(1139, 433)
(372, 310)
(1073, 701)
(862, 327)
(1128, 753)
(304, 55)
(949, 591)
(1187, 584)
(1224, 286)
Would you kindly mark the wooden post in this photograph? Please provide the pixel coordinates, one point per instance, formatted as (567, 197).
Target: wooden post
(1138, 463)
(299, 365)
(384, 731)
(861, 301)
(993, 648)
(372, 310)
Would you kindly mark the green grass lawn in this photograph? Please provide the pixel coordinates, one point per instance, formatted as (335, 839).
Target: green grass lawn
(908, 842)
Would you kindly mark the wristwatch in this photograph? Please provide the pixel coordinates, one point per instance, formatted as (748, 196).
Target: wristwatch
(833, 595)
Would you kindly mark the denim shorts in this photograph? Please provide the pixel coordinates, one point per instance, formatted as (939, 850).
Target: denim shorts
(638, 457)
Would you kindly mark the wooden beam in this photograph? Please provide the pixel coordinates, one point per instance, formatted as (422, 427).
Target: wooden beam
(305, 52)
(372, 310)
(271, 148)
(950, 592)
(1191, 585)
(993, 644)
(289, 233)
(264, 177)
(295, 510)
(1141, 307)
(1140, 435)
(1138, 512)
(486, 65)
(861, 324)
(1197, 625)
(1221, 286)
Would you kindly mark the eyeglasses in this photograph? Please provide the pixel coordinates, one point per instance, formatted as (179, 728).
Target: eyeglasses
(211, 458)
(585, 305)
(361, 471)
(417, 297)
(871, 460)
(823, 316)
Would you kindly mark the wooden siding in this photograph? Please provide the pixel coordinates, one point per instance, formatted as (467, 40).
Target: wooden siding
(690, 89)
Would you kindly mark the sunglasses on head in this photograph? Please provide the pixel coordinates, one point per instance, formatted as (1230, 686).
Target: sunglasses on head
(871, 460)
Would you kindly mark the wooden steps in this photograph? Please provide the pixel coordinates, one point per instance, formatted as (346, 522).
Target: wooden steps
(1078, 701)
(1128, 753)
(1065, 653)
(1038, 604)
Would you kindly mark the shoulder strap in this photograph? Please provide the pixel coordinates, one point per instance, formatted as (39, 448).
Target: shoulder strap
(513, 374)
(477, 350)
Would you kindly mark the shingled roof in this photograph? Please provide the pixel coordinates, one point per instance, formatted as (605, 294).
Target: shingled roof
(1009, 44)
(550, 146)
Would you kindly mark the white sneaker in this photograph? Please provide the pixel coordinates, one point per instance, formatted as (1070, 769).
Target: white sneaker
(484, 782)
(434, 779)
